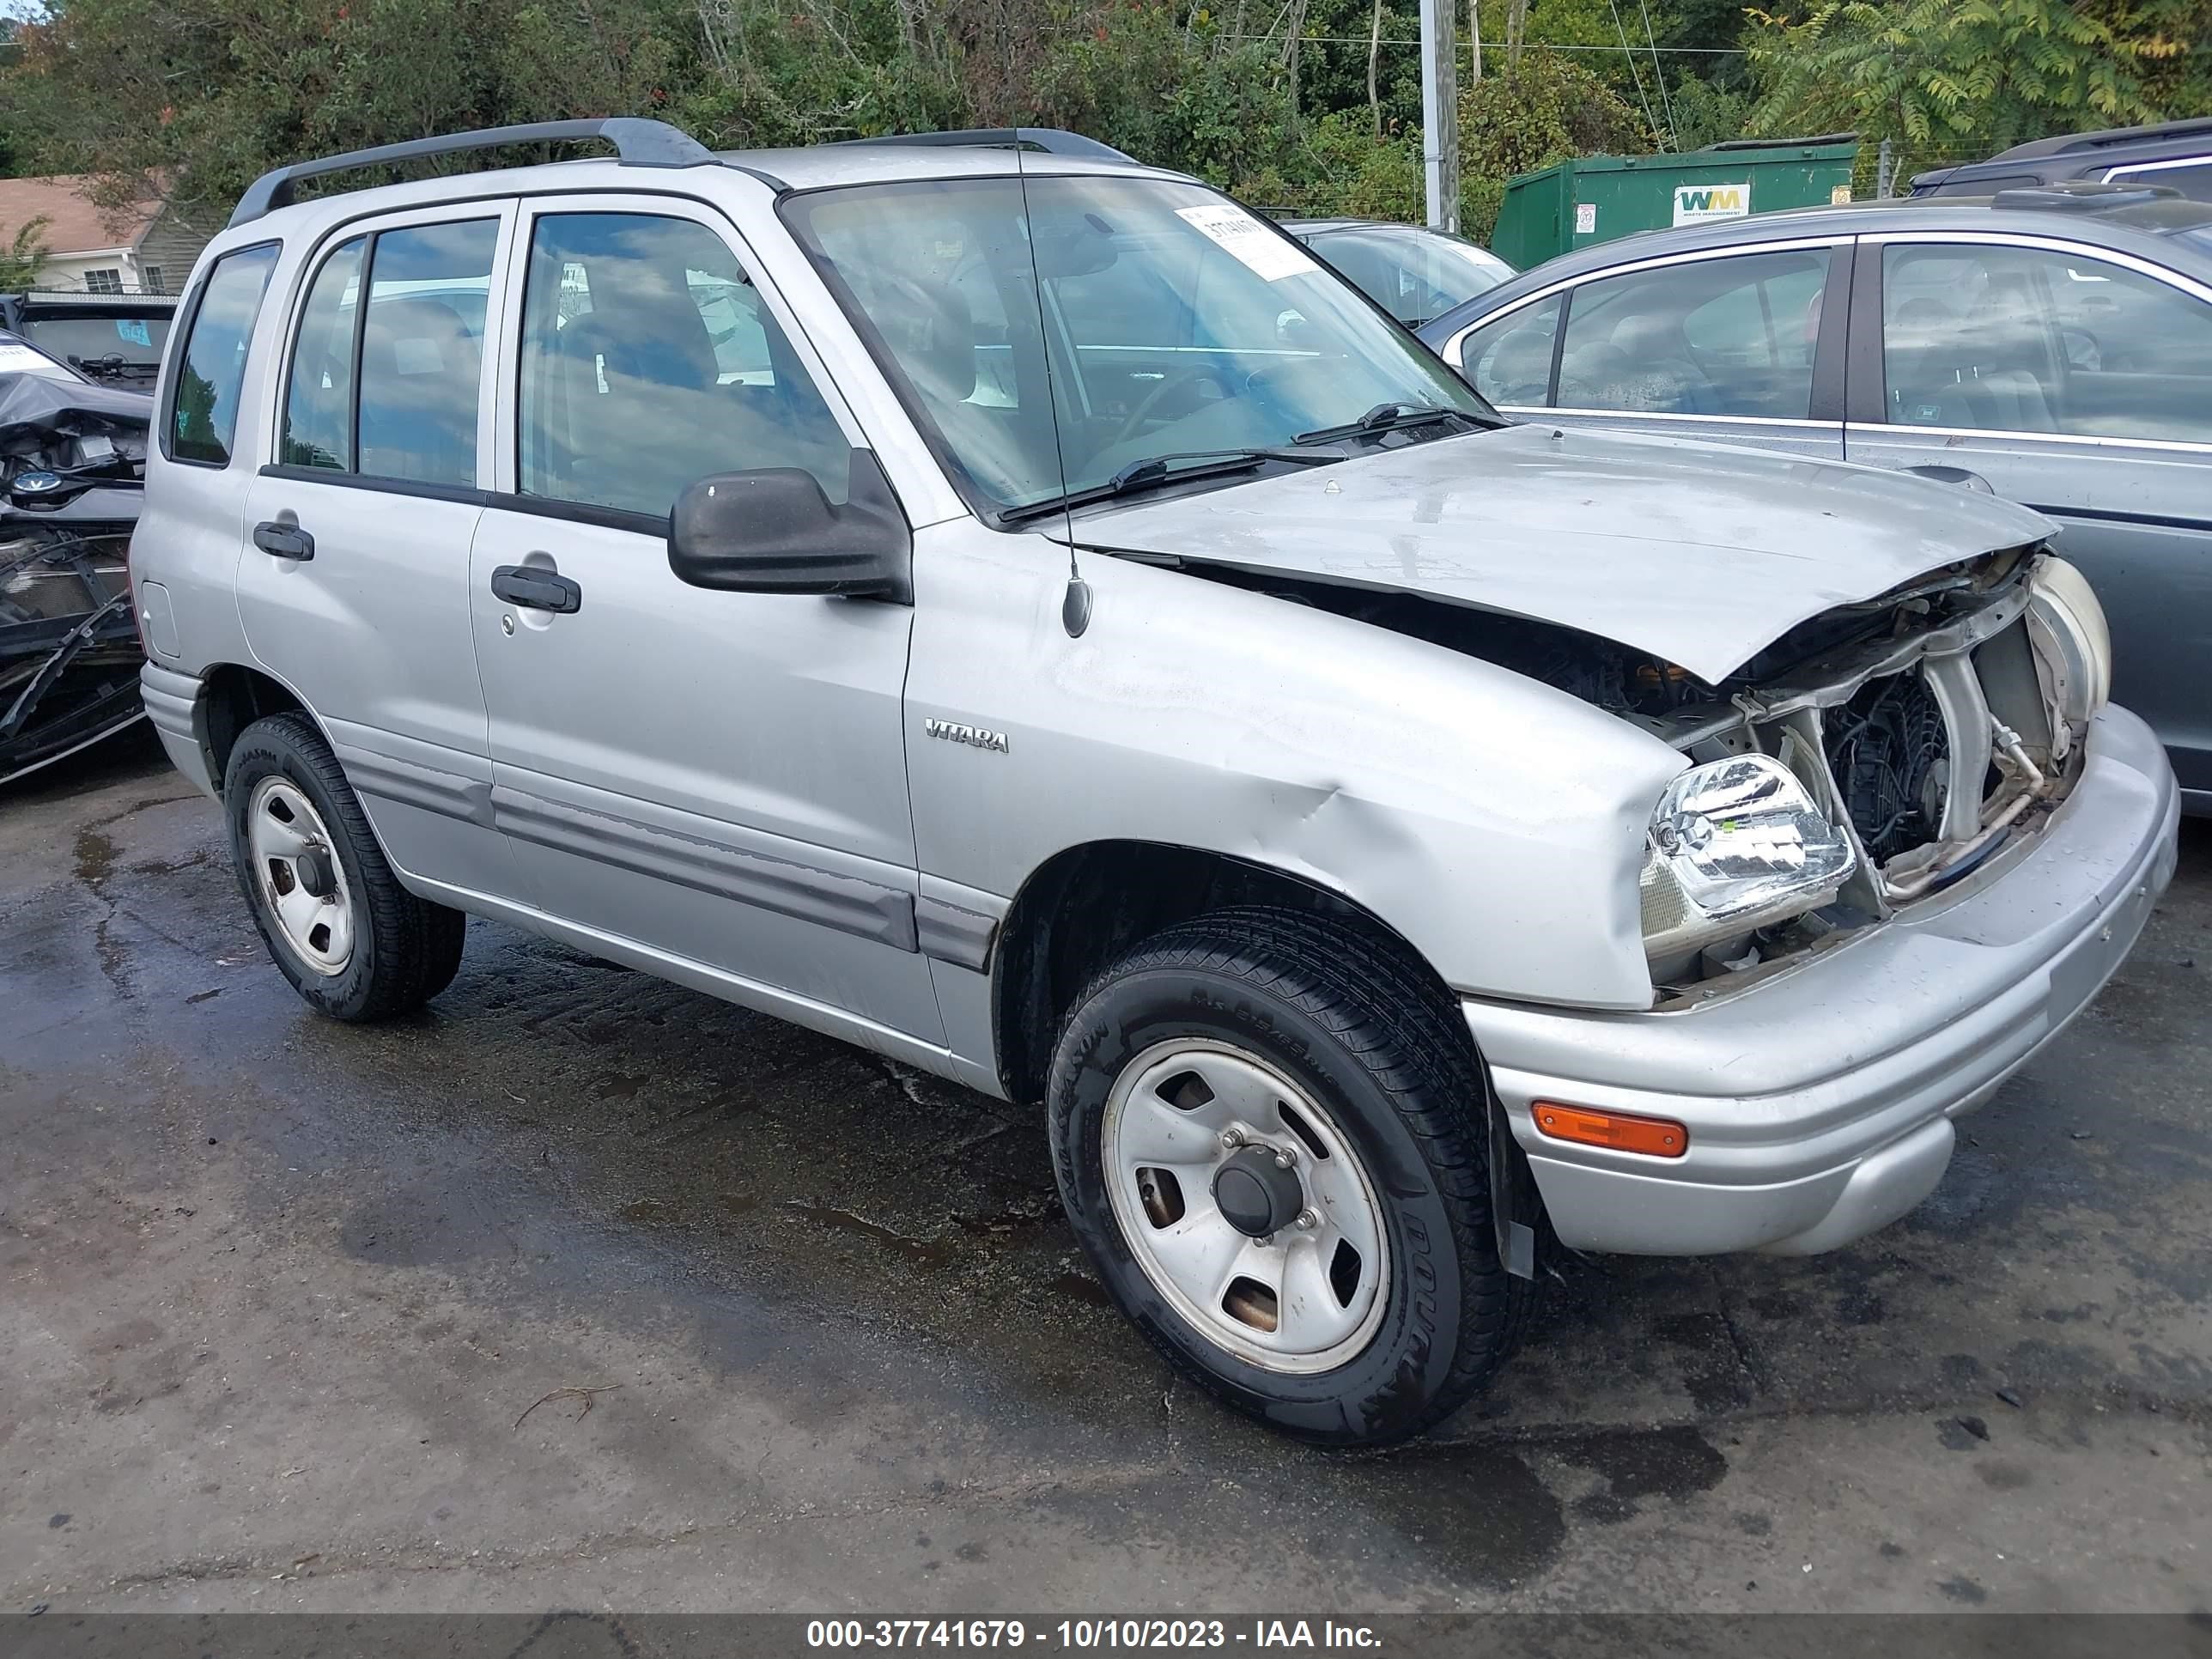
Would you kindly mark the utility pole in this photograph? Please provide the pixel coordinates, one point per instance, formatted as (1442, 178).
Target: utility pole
(1885, 174)
(1440, 110)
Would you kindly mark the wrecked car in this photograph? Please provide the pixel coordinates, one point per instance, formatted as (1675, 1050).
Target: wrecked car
(116, 339)
(1019, 612)
(72, 460)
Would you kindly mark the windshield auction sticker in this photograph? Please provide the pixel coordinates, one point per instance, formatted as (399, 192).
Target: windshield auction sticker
(1273, 256)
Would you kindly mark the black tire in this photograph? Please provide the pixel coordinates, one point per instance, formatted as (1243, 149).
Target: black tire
(1374, 1042)
(406, 950)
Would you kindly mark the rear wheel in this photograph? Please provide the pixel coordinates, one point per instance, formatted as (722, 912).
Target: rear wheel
(355, 943)
(1271, 1138)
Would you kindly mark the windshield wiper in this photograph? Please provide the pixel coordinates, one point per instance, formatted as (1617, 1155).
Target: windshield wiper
(1388, 417)
(1154, 470)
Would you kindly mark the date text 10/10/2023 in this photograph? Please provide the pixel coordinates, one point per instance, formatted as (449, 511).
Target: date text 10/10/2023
(1083, 1635)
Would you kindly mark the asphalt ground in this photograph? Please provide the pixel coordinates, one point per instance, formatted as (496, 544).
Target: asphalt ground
(580, 1290)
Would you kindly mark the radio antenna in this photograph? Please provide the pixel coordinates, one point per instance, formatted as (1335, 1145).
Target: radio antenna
(1075, 603)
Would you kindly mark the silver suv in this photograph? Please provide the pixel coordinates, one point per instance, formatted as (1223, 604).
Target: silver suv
(1014, 610)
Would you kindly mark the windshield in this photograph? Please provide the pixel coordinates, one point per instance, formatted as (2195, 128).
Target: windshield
(1171, 322)
(93, 341)
(1414, 275)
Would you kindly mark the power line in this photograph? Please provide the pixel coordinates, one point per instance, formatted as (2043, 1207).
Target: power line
(1488, 46)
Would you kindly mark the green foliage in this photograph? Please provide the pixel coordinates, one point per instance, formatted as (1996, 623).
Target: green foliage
(190, 99)
(1514, 122)
(25, 256)
(1144, 81)
(1950, 79)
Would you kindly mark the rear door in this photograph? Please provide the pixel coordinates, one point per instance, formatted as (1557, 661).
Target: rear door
(718, 776)
(354, 583)
(1732, 345)
(2077, 379)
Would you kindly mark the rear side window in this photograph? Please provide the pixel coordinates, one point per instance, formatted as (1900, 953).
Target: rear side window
(318, 392)
(203, 415)
(421, 352)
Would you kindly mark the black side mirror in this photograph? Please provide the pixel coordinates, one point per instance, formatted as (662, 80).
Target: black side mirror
(771, 530)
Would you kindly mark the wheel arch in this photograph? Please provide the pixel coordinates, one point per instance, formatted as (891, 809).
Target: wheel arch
(232, 697)
(1087, 904)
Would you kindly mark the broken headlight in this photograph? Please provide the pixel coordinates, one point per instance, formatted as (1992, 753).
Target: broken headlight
(1735, 845)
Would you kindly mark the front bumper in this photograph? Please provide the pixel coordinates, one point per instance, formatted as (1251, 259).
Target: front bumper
(1819, 1102)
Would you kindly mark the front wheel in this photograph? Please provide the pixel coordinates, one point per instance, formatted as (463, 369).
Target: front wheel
(1272, 1140)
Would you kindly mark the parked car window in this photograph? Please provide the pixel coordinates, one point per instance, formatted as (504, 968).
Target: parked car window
(649, 362)
(204, 403)
(1414, 275)
(100, 345)
(422, 351)
(1731, 337)
(2012, 339)
(2194, 181)
(1510, 360)
(318, 390)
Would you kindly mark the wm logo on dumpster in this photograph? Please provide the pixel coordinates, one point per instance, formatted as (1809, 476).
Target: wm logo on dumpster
(1693, 203)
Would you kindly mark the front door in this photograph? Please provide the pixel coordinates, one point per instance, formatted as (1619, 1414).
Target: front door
(718, 777)
(353, 585)
(2080, 386)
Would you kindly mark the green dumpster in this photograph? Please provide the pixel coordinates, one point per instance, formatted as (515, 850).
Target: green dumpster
(1595, 198)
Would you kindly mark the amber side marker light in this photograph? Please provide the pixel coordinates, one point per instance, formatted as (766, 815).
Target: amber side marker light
(1656, 1136)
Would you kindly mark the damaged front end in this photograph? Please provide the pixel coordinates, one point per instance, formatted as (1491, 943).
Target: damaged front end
(72, 462)
(1873, 757)
(1926, 729)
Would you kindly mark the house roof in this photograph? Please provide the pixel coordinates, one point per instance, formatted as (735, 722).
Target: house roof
(75, 224)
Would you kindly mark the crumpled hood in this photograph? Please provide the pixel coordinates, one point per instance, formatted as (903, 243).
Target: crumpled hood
(1700, 554)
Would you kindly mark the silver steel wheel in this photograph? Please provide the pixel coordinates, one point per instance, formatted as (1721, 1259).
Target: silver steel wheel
(1245, 1205)
(301, 879)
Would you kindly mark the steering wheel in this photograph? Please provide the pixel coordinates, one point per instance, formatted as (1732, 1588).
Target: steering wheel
(1158, 395)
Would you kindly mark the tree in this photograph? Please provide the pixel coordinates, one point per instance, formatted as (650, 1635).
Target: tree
(25, 256)
(1949, 79)
(1518, 120)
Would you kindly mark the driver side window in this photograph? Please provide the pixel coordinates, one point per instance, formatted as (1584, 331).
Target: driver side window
(649, 362)
(1726, 337)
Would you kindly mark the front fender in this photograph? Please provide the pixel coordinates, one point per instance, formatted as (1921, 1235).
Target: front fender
(1495, 822)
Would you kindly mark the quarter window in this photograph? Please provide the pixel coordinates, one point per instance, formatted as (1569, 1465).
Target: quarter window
(203, 415)
(1510, 362)
(649, 362)
(1732, 337)
(2011, 339)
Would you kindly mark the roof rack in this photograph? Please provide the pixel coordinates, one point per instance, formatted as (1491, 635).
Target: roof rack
(1051, 140)
(2067, 143)
(638, 143)
(2081, 196)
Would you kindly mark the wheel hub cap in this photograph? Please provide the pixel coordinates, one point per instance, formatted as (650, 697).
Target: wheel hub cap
(1257, 1193)
(1246, 1206)
(301, 880)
